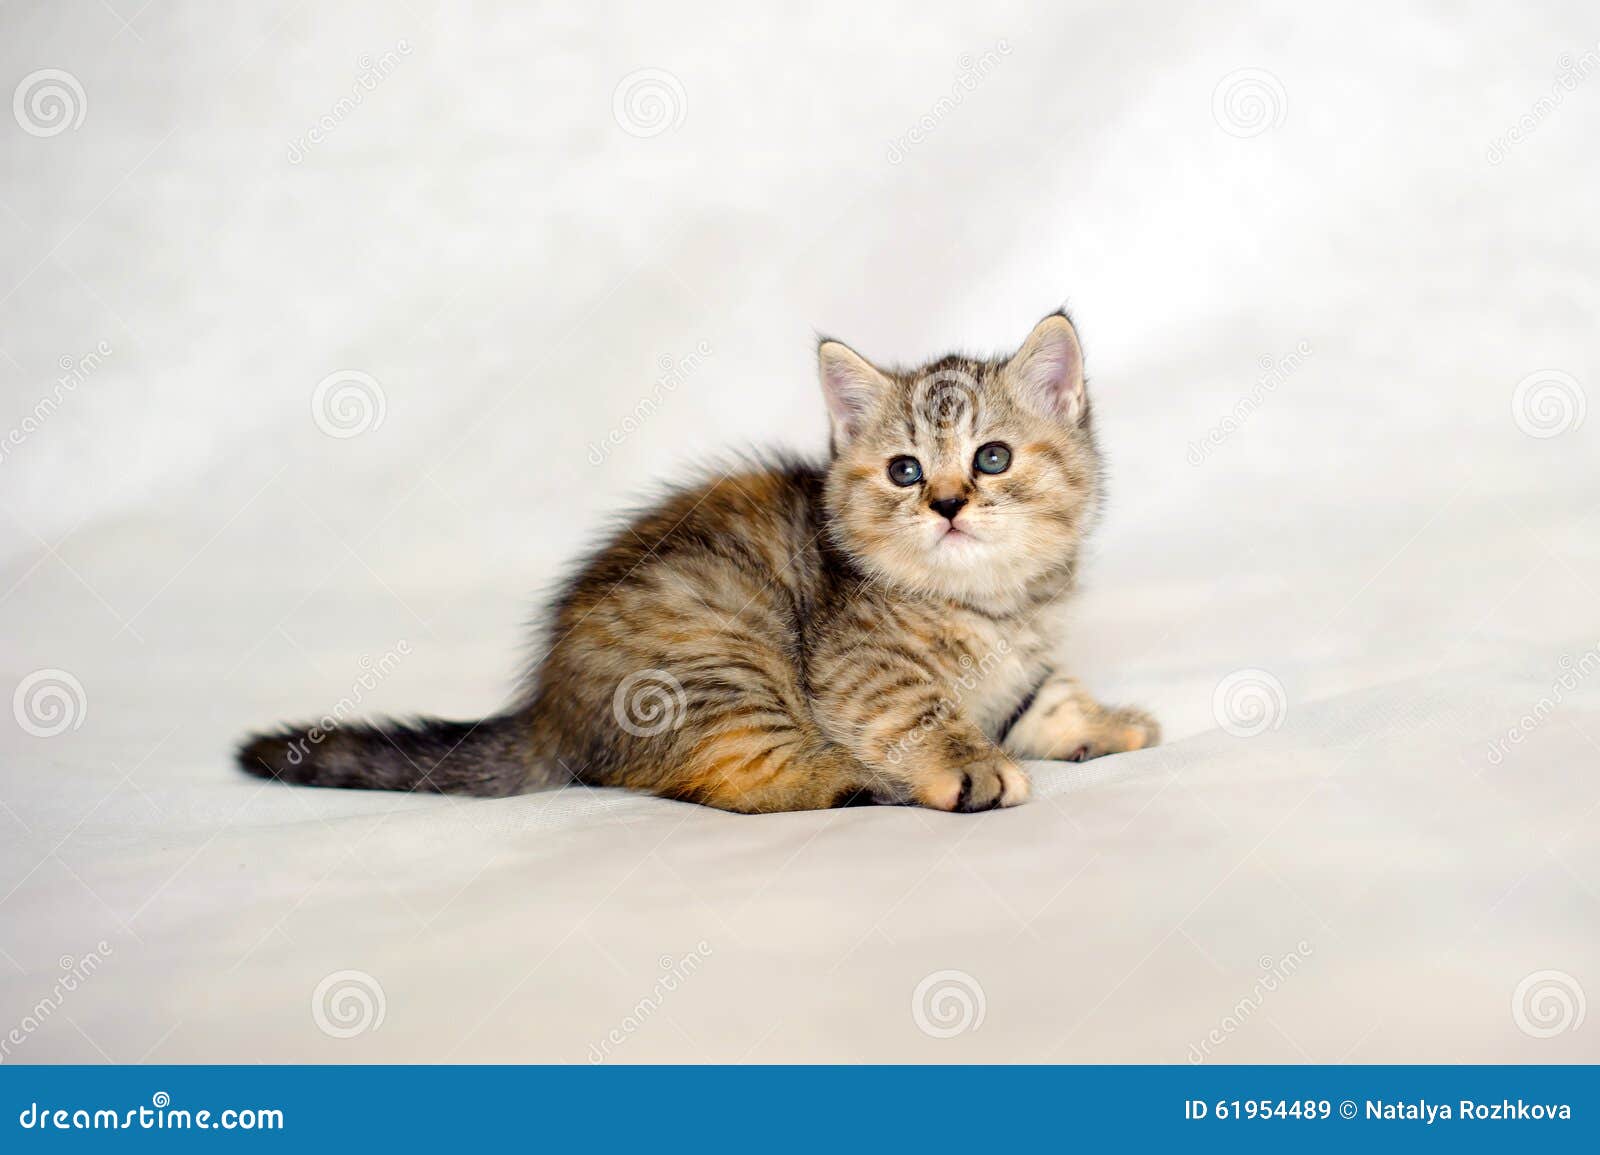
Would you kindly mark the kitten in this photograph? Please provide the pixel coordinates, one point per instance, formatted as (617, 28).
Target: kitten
(880, 628)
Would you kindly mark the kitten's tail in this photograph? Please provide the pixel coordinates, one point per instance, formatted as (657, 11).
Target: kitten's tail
(491, 758)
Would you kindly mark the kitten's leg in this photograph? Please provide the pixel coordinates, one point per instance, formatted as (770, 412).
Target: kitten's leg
(750, 773)
(956, 767)
(1063, 722)
(911, 754)
(895, 718)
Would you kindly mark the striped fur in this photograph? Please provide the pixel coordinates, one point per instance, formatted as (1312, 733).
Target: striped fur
(794, 636)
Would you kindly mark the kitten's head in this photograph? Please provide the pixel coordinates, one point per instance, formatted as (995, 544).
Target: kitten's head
(968, 479)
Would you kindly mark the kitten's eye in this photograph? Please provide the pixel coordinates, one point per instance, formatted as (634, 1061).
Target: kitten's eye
(992, 458)
(904, 471)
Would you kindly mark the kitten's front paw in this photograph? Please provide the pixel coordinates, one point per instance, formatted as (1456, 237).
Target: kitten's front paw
(986, 785)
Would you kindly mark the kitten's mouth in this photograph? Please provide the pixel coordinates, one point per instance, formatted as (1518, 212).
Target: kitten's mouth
(955, 535)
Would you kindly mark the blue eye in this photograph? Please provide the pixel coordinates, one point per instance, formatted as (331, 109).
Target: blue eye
(904, 471)
(994, 457)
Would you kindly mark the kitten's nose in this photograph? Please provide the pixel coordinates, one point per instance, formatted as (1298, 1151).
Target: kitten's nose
(947, 506)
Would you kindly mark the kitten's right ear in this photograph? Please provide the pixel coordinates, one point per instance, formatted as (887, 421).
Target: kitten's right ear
(851, 387)
(1048, 370)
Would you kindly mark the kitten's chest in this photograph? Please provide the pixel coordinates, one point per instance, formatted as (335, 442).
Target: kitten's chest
(991, 666)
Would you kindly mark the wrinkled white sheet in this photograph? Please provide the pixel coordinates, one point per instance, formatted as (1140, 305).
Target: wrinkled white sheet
(1403, 865)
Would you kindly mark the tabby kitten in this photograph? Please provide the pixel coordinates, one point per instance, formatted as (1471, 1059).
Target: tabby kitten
(879, 628)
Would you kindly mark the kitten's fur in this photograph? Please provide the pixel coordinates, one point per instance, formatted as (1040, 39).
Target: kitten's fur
(794, 636)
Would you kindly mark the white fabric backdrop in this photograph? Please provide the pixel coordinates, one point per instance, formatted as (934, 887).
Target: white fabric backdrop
(1380, 531)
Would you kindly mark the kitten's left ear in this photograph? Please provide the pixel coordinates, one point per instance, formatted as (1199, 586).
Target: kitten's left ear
(1048, 370)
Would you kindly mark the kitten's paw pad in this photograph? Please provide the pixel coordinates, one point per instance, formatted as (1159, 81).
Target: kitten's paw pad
(976, 787)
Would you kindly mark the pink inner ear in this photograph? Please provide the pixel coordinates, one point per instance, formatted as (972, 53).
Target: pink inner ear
(1053, 371)
(842, 392)
(848, 389)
